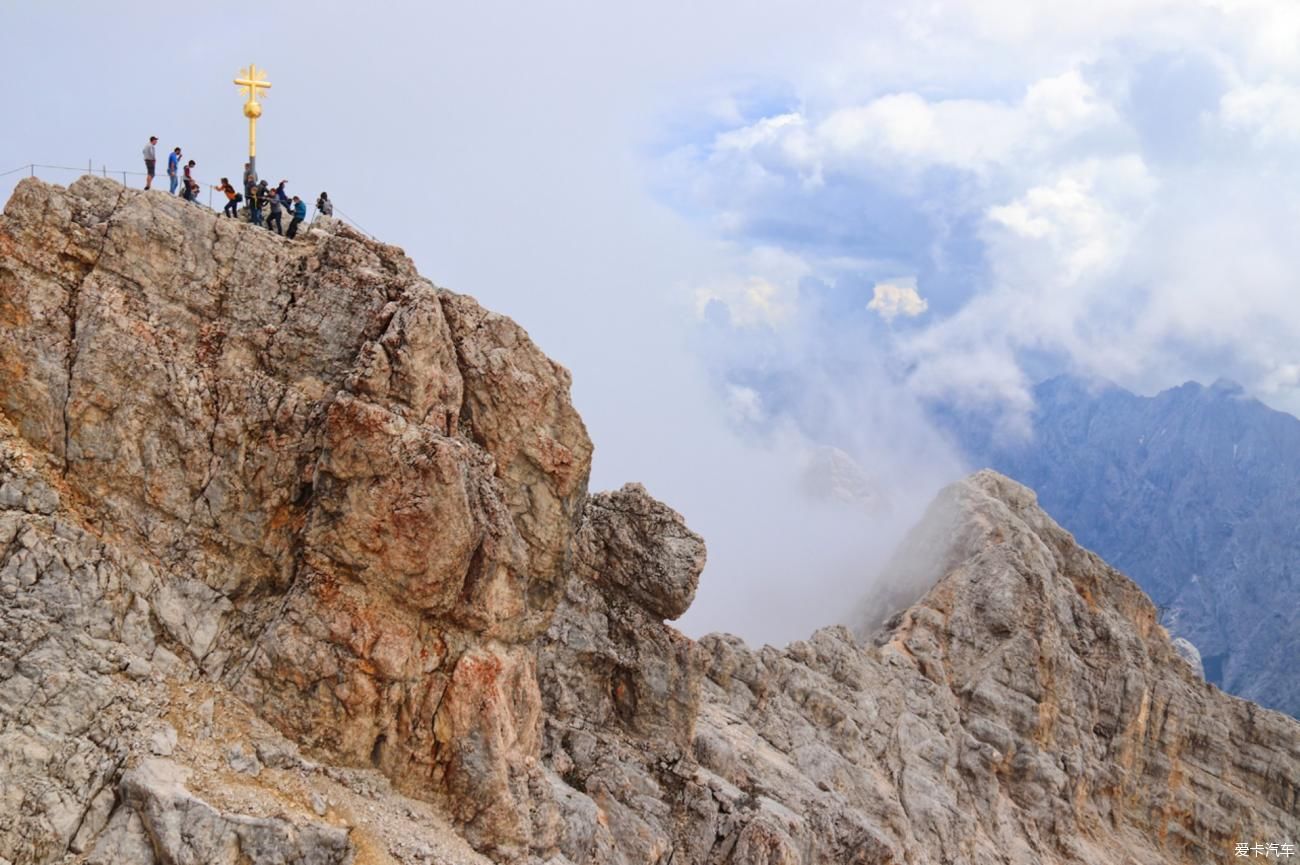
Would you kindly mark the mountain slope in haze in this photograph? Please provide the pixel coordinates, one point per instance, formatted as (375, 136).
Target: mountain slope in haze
(1194, 493)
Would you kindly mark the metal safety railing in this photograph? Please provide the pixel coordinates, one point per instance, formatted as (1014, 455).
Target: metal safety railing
(32, 168)
(103, 171)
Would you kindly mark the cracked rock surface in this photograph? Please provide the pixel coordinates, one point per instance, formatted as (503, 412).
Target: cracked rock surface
(298, 565)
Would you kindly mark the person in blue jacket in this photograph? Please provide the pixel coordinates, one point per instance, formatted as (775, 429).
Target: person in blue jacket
(174, 168)
(282, 195)
(299, 214)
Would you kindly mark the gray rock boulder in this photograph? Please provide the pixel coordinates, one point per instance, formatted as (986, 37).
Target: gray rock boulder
(181, 828)
(1190, 654)
(634, 545)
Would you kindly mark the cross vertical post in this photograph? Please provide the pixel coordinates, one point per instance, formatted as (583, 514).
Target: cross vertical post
(250, 81)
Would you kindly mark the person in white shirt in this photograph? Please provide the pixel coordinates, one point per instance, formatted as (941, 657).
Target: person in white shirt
(150, 160)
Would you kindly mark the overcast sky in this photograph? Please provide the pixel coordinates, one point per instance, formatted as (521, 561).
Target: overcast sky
(753, 230)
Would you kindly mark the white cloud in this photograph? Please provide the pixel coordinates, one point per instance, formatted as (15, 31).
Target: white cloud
(1065, 103)
(744, 405)
(1080, 230)
(762, 290)
(1268, 113)
(1283, 378)
(904, 129)
(897, 297)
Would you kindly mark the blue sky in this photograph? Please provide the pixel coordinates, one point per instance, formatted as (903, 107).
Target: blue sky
(758, 230)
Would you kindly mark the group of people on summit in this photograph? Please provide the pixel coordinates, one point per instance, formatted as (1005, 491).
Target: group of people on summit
(257, 195)
(174, 169)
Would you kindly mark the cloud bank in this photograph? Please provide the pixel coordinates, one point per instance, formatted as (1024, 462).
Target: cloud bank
(1102, 190)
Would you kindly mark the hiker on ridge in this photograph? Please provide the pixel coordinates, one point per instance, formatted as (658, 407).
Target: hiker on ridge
(250, 180)
(150, 160)
(273, 221)
(255, 205)
(191, 187)
(173, 168)
(324, 205)
(299, 214)
(232, 197)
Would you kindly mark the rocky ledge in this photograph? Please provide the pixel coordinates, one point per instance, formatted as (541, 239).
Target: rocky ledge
(298, 564)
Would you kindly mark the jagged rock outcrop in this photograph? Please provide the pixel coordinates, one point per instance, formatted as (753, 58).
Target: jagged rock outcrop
(298, 564)
(1193, 493)
(1027, 708)
(621, 689)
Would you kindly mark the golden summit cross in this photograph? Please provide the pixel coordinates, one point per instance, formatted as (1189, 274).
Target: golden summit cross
(250, 80)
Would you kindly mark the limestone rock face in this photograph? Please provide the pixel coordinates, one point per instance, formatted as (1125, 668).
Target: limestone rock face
(298, 564)
(339, 492)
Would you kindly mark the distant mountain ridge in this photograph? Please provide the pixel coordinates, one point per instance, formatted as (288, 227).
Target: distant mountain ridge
(1195, 493)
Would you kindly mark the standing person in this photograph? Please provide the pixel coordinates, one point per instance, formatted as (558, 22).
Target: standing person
(299, 214)
(232, 197)
(190, 186)
(173, 168)
(324, 205)
(273, 221)
(255, 205)
(250, 180)
(281, 194)
(150, 160)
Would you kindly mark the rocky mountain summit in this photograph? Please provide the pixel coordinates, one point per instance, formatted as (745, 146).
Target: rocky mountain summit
(1195, 493)
(298, 564)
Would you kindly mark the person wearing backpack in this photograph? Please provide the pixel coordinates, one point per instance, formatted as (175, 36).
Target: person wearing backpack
(299, 214)
(232, 197)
